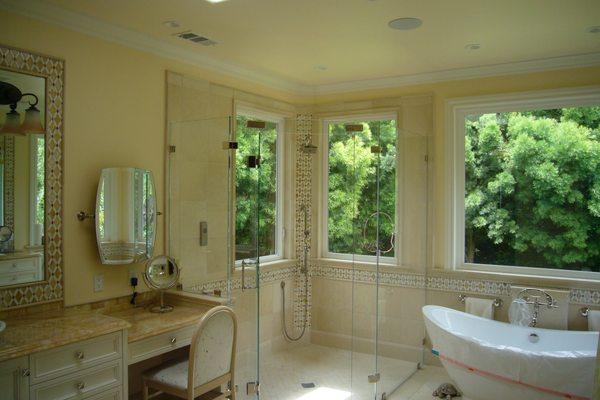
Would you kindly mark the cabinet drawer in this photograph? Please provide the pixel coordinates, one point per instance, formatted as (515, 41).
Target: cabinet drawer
(64, 360)
(80, 385)
(31, 264)
(19, 277)
(152, 346)
(112, 394)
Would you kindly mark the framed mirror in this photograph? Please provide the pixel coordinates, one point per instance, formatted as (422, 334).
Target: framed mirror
(125, 215)
(31, 165)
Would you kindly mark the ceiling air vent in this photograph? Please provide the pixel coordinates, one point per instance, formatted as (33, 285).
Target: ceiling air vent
(195, 38)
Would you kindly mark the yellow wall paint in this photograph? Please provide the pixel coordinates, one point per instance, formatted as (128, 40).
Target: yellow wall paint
(114, 116)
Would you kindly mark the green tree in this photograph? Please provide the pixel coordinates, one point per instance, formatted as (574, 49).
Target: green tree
(532, 189)
(256, 198)
(360, 183)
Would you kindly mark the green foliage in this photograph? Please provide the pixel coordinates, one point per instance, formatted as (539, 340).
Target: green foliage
(532, 189)
(256, 198)
(354, 176)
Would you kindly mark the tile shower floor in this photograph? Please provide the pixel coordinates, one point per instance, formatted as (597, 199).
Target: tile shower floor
(331, 370)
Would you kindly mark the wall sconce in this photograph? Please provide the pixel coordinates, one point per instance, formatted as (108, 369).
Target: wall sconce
(32, 123)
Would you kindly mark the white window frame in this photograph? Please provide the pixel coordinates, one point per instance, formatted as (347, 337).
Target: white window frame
(279, 200)
(325, 190)
(456, 112)
(33, 138)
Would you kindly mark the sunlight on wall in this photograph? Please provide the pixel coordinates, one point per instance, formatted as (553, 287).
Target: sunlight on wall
(325, 393)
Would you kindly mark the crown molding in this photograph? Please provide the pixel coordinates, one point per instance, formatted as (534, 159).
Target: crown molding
(92, 26)
(95, 27)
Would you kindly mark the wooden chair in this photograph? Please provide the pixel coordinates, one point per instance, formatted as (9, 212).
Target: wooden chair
(210, 364)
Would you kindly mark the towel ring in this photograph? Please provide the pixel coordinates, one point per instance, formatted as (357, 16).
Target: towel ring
(497, 302)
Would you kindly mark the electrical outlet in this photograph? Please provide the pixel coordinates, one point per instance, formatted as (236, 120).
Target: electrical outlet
(132, 274)
(98, 283)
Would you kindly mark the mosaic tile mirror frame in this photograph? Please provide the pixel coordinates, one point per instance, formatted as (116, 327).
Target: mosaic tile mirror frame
(50, 288)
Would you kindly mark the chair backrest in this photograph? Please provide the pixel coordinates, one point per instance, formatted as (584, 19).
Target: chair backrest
(213, 347)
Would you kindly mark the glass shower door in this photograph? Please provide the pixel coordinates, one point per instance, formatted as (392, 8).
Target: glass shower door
(246, 219)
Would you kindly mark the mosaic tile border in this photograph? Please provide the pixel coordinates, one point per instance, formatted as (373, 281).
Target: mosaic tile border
(303, 196)
(9, 189)
(267, 276)
(420, 281)
(52, 69)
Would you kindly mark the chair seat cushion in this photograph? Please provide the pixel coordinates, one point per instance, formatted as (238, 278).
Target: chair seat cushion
(173, 373)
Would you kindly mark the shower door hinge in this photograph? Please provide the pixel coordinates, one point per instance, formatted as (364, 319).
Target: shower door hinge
(253, 161)
(252, 388)
(426, 158)
(172, 149)
(230, 145)
(374, 378)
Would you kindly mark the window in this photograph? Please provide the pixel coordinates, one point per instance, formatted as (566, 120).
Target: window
(258, 220)
(36, 187)
(360, 179)
(527, 185)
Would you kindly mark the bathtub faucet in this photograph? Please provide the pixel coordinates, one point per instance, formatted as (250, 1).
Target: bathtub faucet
(532, 296)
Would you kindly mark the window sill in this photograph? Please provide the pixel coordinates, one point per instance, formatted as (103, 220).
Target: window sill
(522, 279)
(269, 265)
(367, 266)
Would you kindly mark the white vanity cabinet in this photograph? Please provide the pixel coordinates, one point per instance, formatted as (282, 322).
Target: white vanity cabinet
(14, 379)
(89, 369)
(21, 267)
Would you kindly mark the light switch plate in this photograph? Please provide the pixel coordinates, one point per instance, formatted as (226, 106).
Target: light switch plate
(98, 283)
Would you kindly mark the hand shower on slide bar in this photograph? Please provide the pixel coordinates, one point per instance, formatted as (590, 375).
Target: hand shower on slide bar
(304, 270)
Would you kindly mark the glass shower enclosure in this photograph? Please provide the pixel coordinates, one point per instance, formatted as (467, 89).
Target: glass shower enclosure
(219, 230)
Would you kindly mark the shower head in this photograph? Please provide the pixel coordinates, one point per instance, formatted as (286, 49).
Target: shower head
(309, 148)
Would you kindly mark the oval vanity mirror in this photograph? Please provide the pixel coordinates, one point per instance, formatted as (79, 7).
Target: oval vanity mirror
(125, 215)
(162, 273)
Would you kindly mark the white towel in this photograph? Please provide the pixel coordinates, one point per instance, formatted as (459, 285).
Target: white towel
(480, 307)
(594, 320)
(519, 313)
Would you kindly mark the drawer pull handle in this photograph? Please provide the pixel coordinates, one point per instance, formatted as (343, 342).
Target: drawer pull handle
(79, 355)
(80, 385)
(26, 372)
(173, 340)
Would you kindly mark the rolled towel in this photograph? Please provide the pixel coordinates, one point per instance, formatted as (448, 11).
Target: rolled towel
(519, 313)
(480, 307)
(593, 320)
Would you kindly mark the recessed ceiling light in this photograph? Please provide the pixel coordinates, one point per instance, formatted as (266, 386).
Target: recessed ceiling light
(215, 1)
(473, 46)
(594, 29)
(405, 24)
(321, 67)
(171, 24)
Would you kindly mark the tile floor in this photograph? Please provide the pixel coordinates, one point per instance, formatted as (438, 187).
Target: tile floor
(337, 374)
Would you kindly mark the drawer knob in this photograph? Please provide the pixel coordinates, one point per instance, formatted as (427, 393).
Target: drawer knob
(173, 340)
(80, 385)
(26, 372)
(79, 355)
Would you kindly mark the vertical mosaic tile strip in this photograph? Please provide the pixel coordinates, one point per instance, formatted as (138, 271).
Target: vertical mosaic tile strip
(9, 189)
(52, 70)
(303, 197)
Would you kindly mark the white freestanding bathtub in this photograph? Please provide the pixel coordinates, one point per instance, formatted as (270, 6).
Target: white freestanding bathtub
(491, 360)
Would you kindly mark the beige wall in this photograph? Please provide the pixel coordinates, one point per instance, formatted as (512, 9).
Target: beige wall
(114, 116)
(114, 113)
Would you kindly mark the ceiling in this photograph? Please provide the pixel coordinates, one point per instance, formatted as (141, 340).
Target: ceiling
(288, 39)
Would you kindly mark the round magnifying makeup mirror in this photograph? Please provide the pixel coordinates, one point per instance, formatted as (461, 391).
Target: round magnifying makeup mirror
(162, 273)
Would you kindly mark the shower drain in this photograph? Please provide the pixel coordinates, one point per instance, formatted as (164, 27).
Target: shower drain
(308, 385)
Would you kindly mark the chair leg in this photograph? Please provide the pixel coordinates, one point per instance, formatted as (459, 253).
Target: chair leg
(144, 391)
